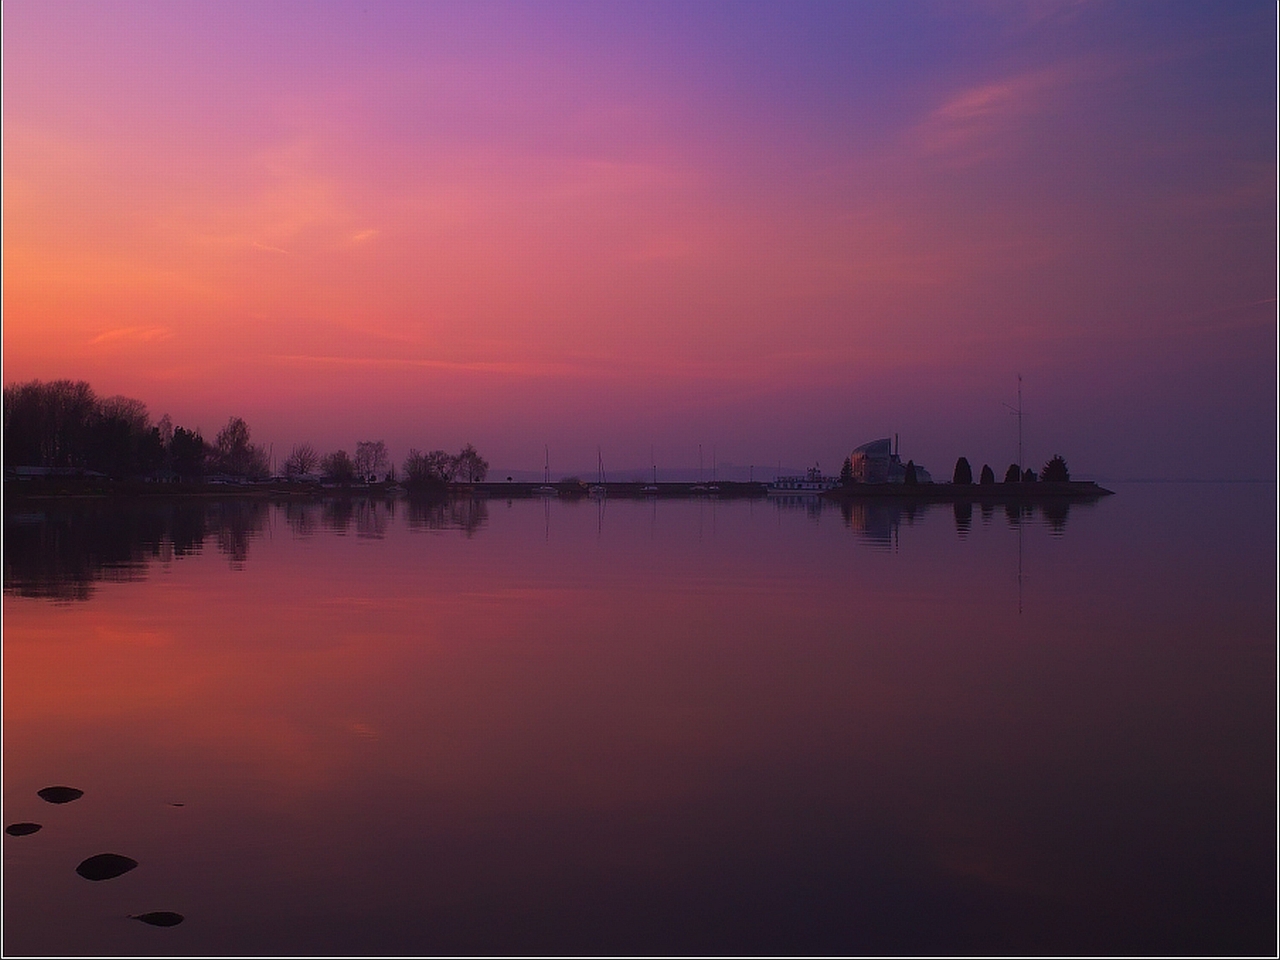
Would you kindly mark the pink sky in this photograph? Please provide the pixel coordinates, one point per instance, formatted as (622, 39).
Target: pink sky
(778, 229)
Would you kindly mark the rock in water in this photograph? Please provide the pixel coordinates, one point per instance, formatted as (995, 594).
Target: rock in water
(21, 829)
(59, 794)
(105, 866)
(159, 918)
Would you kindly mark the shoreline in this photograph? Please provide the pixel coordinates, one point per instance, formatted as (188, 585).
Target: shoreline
(70, 488)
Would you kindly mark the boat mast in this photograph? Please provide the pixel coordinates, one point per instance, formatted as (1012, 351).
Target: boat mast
(1017, 412)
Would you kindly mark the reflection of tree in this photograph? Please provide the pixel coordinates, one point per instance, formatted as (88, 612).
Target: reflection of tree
(335, 514)
(963, 511)
(1019, 511)
(434, 513)
(59, 552)
(372, 517)
(1055, 514)
(236, 522)
(303, 518)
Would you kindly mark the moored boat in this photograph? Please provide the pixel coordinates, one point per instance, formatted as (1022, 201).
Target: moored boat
(811, 483)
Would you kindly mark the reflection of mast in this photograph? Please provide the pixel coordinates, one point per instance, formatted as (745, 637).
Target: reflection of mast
(1020, 545)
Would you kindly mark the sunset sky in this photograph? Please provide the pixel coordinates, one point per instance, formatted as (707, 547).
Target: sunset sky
(775, 229)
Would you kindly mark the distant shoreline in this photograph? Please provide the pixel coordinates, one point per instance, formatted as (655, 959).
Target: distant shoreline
(73, 488)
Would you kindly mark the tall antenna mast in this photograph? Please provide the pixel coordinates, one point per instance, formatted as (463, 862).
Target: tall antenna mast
(1017, 412)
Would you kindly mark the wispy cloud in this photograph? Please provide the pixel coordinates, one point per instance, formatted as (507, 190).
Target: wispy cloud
(512, 368)
(266, 246)
(970, 123)
(134, 334)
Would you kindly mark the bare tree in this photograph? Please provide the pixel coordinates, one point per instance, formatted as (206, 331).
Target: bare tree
(302, 459)
(443, 465)
(470, 466)
(234, 454)
(165, 426)
(339, 467)
(371, 457)
(126, 410)
(423, 469)
(416, 472)
(48, 424)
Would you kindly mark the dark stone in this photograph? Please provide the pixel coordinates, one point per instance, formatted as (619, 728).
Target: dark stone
(105, 866)
(59, 794)
(21, 829)
(159, 918)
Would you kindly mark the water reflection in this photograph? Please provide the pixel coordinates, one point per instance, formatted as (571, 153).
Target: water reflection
(467, 515)
(667, 728)
(235, 523)
(59, 551)
(877, 521)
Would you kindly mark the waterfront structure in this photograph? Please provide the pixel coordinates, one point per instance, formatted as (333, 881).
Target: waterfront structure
(878, 462)
(811, 484)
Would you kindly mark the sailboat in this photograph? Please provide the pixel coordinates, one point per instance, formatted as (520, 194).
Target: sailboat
(546, 488)
(598, 488)
(653, 487)
(715, 487)
(699, 487)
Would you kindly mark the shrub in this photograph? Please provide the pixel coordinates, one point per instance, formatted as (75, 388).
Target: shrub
(846, 472)
(1055, 470)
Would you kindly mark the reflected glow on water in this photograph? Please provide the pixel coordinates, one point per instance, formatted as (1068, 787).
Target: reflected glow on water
(645, 727)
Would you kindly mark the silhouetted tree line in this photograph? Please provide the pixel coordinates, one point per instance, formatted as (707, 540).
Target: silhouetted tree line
(64, 426)
(437, 468)
(1054, 471)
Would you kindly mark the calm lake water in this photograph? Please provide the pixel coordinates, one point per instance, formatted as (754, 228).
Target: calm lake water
(645, 727)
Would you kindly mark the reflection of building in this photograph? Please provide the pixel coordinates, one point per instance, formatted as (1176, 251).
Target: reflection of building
(878, 462)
